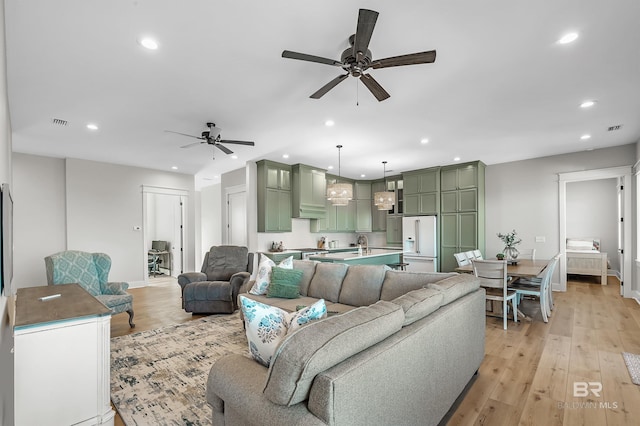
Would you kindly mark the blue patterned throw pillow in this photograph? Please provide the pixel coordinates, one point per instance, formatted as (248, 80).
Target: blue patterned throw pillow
(267, 326)
(263, 277)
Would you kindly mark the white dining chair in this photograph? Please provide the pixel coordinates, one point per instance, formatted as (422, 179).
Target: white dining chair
(538, 280)
(527, 253)
(462, 259)
(493, 277)
(477, 254)
(538, 289)
(470, 254)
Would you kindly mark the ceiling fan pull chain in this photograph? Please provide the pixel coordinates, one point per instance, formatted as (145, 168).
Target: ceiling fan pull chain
(357, 94)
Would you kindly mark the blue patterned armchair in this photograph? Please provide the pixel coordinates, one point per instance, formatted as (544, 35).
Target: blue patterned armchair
(91, 271)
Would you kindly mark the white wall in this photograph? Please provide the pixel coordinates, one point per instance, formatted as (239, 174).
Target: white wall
(6, 334)
(40, 215)
(211, 219)
(234, 178)
(592, 211)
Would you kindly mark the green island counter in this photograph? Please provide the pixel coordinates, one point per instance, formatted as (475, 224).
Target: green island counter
(369, 257)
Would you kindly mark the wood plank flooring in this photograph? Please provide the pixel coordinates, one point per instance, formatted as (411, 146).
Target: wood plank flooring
(528, 372)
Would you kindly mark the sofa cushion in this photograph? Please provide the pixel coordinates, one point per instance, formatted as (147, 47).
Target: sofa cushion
(362, 285)
(285, 283)
(266, 326)
(327, 280)
(397, 283)
(224, 261)
(419, 303)
(263, 277)
(454, 287)
(308, 268)
(323, 344)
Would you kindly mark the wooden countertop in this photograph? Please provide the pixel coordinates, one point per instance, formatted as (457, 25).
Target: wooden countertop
(354, 255)
(73, 302)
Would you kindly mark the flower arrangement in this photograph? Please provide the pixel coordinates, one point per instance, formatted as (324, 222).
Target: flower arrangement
(510, 239)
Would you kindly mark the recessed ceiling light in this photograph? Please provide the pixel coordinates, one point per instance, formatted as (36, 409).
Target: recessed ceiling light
(456, 159)
(567, 38)
(329, 123)
(330, 167)
(149, 43)
(92, 126)
(587, 104)
(363, 175)
(235, 157)
(174, 167)
(585, 137)
(424, 141)
(285, 155)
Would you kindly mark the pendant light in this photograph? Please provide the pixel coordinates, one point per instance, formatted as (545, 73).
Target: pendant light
(384, 199)
(339, 193)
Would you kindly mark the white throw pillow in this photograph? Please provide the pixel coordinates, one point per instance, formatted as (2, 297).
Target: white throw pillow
(263, 277)
(267, 326)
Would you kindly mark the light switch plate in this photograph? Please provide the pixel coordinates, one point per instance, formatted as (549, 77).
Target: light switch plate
(541, 239)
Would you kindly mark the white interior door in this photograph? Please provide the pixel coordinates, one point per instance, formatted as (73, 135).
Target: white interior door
(237, 218)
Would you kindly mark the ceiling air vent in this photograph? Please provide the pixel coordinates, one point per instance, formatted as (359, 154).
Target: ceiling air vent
(59, 122)
(616, 127)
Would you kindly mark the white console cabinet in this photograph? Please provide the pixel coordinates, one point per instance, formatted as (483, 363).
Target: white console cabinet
(62, 357)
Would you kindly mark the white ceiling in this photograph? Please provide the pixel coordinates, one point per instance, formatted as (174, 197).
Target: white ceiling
(501, 88)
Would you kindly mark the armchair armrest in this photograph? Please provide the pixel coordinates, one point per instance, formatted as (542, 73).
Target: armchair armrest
(115, 288)
(191, 277)
(237, 282)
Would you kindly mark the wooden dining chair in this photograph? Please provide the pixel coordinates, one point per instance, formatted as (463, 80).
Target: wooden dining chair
(537, 282)
(493, 277)
(470, 254)
(540, 289)
(462, 259)
(527, 253)
(477, 254)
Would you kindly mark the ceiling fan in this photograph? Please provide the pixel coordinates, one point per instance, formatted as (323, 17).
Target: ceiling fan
(212, 137)
(357, 59)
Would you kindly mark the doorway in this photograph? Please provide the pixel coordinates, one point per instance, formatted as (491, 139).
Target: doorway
(236, 216)
(623, 245)
(164, 211)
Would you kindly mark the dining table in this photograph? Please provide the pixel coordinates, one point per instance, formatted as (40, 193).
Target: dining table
(522, 268)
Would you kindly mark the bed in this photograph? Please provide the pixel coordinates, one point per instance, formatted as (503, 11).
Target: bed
(584, 258)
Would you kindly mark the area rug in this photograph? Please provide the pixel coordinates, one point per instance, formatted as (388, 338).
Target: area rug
(159, 377)
(633, 365)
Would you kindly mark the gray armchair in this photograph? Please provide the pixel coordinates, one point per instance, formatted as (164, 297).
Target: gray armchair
(215, 289)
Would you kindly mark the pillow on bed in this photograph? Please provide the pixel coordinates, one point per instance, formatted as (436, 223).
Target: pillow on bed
(582, 244)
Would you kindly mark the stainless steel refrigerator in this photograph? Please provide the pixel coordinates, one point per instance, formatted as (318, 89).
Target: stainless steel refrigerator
(419, 243)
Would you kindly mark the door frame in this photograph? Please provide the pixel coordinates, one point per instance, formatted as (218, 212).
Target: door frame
(228, 191)
(184, 196)
(623, 172)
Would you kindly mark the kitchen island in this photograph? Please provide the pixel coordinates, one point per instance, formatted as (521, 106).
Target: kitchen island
(369, 257)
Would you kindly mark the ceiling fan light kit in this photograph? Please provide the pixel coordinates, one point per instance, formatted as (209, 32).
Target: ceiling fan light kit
(339, 193)
(384, 200)
(357, 59)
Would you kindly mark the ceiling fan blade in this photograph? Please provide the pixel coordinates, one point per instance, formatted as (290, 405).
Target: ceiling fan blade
(374, 87)
(366, 24)
(411, 59)
(191, 145)
(310, 58)
(184, 134)
(238, 142)
(223, 148)
(330, 85)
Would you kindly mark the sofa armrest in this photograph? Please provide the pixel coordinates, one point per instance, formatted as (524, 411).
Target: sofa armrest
(115, 288)
(237, 281)
(236, 381)
(191, 277)
(246, 286)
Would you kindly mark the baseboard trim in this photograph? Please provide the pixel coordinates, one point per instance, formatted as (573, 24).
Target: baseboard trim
(137, 284)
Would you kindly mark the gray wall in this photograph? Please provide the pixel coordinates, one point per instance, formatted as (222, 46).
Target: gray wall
(523, 195)
(592, 211)
(6, 335)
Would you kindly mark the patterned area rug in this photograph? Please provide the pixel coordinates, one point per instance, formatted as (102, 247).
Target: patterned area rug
(159, 377)
(633, 365)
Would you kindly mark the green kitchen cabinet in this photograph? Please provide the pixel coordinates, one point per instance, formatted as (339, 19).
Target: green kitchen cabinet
(394, 229)
(462, 205)
(422, 191)
(378, 217)
(308, 192)
(274, 196)
(363, 214)
(337, 218)
(394, 216)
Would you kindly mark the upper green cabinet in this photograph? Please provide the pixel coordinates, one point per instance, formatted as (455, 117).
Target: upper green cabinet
(308, 192)
(274, 196)
(337, 218)
(461, 176)
(422, 191)
(362, 194)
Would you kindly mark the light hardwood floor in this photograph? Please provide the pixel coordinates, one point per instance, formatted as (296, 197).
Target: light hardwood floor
(529, 370)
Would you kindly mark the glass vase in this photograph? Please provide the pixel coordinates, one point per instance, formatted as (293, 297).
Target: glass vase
(511, 253)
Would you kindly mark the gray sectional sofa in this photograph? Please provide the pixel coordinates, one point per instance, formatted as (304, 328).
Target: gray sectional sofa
(401, 350)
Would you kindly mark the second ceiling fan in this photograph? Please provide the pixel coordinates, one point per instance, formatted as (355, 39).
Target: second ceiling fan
(356, 59)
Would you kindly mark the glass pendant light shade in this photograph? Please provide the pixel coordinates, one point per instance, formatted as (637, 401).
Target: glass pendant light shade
(339, 193)
(384, 200)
